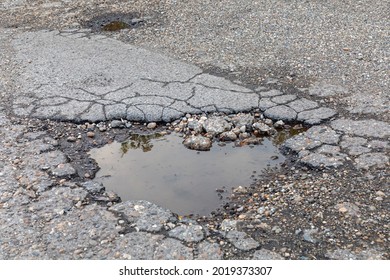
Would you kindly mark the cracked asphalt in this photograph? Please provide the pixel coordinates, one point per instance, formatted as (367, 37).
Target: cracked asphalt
(323, 65)
(152, 87)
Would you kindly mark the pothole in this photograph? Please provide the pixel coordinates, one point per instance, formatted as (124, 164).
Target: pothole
(115, 22)
(160, 169)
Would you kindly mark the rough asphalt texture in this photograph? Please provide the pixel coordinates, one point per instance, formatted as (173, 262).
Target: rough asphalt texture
(93, 81)
(322, 64)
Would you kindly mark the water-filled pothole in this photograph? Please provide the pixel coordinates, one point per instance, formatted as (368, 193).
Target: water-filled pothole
(158, 168)
(115, 22)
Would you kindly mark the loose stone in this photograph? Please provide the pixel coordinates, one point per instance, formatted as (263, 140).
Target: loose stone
(216, 125)
(262, 127)
(380, 193)
(195, 126)
(348, 208)
(279, 124)
(71, 139)
(228, 136)
(151, 125)
(116, 124)
(228, 224)
(309, 235)
(241, 119)
(198, 142)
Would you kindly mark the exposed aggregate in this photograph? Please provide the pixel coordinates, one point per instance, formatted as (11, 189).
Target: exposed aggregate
(293, 63)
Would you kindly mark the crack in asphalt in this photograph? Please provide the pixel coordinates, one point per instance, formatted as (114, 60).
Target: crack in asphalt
(135, 87)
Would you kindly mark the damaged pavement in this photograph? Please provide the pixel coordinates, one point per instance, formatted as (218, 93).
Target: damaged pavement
(329, 200)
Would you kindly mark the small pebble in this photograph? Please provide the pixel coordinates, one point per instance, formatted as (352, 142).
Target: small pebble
(343, 210)
(380, 193)
(151, 125)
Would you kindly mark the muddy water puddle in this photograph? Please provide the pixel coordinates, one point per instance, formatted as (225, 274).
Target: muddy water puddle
(158, 168)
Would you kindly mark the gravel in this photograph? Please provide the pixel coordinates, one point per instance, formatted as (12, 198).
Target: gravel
(198, 142)
(280, 49)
